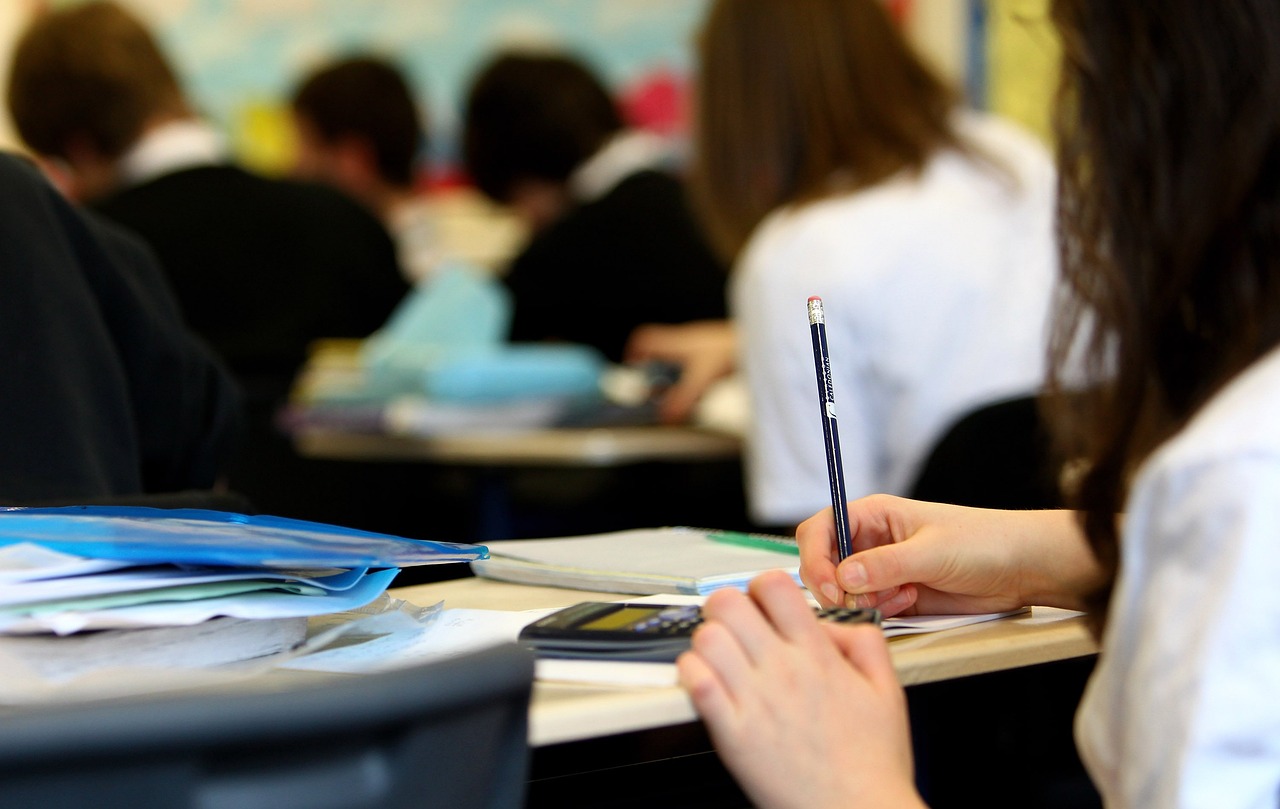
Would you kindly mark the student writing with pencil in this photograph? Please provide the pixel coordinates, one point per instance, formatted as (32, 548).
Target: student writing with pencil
(1170, 158)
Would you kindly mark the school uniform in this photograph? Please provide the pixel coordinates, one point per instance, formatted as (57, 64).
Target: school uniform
(261, 267)
(1181, 710)
(105, 391)
(626, 254)
(937, 291)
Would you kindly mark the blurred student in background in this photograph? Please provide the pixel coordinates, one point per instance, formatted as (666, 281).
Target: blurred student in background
(361, 130)
(613, 242)
(106, 394)
(831, 161)
(260, 267)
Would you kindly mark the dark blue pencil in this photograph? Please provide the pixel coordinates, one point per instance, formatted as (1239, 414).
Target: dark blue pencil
(827, 404)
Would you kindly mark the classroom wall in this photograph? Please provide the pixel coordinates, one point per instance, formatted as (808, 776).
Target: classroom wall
(13, 15)
(240, 58)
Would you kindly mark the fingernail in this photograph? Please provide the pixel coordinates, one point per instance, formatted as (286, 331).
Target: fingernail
(831, 592)
(853, 575)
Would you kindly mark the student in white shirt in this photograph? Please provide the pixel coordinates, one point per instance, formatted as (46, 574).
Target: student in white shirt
(1170, 156)
(844, 168)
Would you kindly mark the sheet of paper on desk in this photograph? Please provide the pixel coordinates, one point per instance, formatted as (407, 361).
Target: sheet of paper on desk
(458, 631)
(254, 604)
(218, 642)
(26, 562)
(96, 665)
(919, 624)
(448, 633)
(139, 580)
(609, 672)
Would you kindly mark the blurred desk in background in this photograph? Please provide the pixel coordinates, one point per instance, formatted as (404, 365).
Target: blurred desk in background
(590, 446)
(565, 481)
(475, 472)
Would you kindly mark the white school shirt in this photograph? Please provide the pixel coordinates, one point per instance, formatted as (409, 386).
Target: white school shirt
(414, 226)
(182, 144)
(1183, 709)
(936, 289)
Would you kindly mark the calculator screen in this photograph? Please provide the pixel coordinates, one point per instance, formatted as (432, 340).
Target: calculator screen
(618, 619)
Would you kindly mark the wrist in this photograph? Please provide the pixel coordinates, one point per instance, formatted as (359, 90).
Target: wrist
(1058, 565)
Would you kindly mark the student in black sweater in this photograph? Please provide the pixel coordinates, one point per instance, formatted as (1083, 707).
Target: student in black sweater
(106, 394)
(614, 243)
(260, 267)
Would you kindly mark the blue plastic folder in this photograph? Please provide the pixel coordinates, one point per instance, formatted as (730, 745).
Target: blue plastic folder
(199, 537)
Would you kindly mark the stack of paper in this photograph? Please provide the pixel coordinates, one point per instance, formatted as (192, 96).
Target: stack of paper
(85, 588)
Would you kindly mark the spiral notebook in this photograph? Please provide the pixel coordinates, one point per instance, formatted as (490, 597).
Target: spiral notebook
(671, 559)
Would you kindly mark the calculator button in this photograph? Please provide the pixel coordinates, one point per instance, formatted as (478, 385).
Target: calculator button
(679, 613)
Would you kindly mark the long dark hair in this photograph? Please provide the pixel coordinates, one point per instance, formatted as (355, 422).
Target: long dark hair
(1169, 218)
(368, 97)
(534, 115)
(803, 99)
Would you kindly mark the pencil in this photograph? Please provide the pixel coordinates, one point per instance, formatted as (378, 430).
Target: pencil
(827, 405)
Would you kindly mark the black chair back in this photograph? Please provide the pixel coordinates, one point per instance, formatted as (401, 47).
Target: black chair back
(996, 456)
(450, 734)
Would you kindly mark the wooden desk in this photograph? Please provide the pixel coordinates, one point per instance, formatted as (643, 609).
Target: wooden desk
(643, 747)
(564, 712)
(335, 365)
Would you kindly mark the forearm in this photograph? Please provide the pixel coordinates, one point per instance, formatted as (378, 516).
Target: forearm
(1058, 566)
(939, 558)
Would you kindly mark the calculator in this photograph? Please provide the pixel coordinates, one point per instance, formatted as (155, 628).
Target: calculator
(604, 630)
